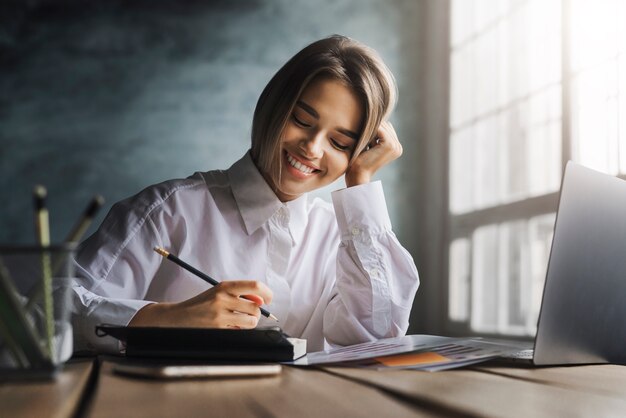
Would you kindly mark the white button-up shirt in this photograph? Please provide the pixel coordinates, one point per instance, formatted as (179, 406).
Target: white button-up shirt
(338, 274)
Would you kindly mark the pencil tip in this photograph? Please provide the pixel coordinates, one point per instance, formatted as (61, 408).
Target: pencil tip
(273, 317)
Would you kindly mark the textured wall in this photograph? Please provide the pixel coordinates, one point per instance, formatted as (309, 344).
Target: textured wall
(109, 97)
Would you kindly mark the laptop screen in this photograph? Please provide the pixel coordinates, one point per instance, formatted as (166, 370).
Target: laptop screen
(583, 311)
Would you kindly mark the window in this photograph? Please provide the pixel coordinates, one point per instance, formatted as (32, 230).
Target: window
(533, 83)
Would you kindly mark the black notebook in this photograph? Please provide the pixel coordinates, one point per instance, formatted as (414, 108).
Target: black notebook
(259, 344)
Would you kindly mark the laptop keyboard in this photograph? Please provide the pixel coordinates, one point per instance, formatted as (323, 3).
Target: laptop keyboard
(520, 355)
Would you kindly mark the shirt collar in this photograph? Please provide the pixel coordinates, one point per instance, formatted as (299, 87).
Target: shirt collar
(257, 202)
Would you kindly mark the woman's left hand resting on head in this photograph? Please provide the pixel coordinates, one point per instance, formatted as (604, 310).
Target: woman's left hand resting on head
(382, 150)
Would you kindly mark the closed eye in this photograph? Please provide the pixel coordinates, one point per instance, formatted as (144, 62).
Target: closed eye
(300, 122)
(339, 146)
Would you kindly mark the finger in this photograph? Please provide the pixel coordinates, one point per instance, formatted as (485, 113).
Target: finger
(376, 141)
(254, 298)
(244, 306)
(241, 320)
(248, 287)
(390, 139)
(387, 132)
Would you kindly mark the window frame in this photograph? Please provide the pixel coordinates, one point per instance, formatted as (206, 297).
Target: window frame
(462, 225)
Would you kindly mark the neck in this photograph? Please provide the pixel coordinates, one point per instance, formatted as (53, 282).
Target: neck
(282, 196)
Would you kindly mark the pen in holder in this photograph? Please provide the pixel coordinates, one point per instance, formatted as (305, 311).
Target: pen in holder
(40, 337)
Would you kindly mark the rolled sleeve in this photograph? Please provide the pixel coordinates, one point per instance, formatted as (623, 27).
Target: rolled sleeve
(376, 277)
(360, 207)
(93, 310)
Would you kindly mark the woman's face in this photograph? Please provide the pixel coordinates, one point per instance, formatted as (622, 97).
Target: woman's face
(319, 138)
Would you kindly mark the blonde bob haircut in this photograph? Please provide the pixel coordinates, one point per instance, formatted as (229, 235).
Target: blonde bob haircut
(357, 66)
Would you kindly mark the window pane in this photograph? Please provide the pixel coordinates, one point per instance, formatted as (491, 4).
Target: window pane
(485, 12)
(484, 308)
(514, 154)
(506, 62)
(594, 117)
(458, 293)
(544, 141)
(486, 183)
(544, 44)
(514, 281)
(505, 81)
(485, 72)
(620, 17)
(460, 86)
(597, 32)
(508, 272)
(594, 31)
(505, 146)
(540, 233)
(461, 21)
(519, 48)
(461, 171)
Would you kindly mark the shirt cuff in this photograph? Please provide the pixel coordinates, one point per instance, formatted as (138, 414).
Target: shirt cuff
(361, 206)
(94, 310)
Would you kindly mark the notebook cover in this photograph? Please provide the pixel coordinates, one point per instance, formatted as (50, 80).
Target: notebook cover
(260, 344)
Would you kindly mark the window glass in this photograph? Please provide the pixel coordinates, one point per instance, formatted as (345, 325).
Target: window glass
(461, 171)
(540, 234)
(506, 147)
(458, 295)
(513, 275)
(484, 295)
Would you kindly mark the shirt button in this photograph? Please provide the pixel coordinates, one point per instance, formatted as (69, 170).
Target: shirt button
(355, 231)
(375, 272)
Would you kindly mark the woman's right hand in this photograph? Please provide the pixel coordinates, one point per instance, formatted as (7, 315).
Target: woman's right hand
(218, 307)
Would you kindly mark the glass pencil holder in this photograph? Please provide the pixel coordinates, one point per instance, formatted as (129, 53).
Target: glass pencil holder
(35, 328)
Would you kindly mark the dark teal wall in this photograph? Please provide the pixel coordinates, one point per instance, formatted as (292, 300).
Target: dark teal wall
(111, 96)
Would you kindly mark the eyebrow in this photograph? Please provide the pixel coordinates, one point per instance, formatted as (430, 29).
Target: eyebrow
(316, 115)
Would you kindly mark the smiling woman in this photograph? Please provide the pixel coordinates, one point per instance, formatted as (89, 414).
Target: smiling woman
(332, 274)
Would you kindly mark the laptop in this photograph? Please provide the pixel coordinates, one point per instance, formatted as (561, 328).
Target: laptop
(583, 310)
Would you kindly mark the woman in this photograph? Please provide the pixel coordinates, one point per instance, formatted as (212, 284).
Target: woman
(333, 274)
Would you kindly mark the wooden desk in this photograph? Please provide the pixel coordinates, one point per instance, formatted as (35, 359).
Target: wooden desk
(52, 398)
(338, 392)
(294, 393)
(582, 391)
(483, 391)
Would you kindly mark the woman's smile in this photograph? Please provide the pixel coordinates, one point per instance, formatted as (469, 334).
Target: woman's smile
(299, 168)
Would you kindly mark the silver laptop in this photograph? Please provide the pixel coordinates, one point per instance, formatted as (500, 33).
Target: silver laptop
(583, 310)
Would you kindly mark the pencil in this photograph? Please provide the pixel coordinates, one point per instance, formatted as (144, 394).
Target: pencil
(75, 235)
(81, 226)
(16, 329)
(41, 216)
(202, 275)
(43, 236)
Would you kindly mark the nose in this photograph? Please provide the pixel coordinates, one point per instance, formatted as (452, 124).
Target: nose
(312, 147)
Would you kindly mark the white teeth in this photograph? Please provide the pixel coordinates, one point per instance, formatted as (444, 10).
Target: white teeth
(299, 166)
